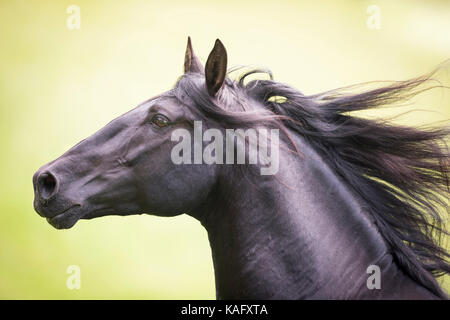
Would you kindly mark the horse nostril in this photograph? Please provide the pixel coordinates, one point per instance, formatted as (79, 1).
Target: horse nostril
(46, 186)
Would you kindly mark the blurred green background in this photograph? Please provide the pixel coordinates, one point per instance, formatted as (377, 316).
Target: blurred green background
(59, 86)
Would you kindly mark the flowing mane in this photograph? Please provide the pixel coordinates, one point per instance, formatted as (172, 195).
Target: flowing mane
(401, 173)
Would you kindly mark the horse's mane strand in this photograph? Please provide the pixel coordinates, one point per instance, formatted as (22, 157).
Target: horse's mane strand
(400, 172)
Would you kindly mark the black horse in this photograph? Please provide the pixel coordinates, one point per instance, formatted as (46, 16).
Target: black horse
(349, 195)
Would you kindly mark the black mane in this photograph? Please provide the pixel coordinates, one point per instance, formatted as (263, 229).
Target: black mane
(400, 172)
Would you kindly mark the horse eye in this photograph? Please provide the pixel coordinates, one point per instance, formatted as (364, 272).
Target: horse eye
(160, 120)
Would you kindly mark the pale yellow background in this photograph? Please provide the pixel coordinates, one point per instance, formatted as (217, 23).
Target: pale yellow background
(58, 86)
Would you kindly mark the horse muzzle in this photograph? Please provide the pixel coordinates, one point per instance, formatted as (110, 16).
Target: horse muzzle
(59, 211)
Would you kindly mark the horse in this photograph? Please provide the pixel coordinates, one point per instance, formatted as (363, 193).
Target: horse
(353, 211)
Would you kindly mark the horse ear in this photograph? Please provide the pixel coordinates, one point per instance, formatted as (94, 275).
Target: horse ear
(216, 68)
(191, 62)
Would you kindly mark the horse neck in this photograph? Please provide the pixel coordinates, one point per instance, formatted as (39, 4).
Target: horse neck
(299, 234)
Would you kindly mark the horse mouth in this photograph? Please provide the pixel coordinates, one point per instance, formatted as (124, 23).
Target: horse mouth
(66, 219)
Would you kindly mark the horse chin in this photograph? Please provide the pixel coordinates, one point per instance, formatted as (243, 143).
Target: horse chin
(67, 219)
